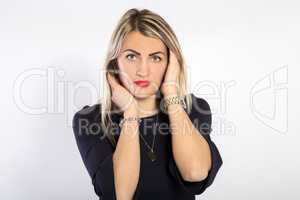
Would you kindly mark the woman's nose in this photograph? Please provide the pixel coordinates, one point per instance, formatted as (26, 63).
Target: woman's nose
(143, 69)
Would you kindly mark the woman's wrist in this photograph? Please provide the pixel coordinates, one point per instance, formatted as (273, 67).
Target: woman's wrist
(130, 112)
(174, 100)
(130, 116)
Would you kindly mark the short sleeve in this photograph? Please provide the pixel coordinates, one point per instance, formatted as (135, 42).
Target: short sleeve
(95, 150)
(200, 115)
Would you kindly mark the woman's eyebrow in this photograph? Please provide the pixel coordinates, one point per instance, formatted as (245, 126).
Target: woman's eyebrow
(149, 54)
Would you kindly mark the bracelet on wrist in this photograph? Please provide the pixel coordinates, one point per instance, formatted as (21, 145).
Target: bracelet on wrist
(173, 100)
(129, 119)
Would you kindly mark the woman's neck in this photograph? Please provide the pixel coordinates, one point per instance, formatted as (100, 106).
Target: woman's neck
(147, 106)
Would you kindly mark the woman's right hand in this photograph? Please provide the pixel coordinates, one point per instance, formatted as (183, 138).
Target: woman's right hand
(121, 96)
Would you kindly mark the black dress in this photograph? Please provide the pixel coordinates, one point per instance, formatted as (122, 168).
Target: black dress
(160, 179)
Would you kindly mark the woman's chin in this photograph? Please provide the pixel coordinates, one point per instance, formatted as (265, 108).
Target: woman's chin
(143, 94)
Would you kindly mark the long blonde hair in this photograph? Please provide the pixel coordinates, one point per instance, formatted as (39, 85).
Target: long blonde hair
(149, 24)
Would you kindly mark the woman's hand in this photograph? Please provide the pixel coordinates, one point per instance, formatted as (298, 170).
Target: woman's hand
(120, 96)
(170, 84)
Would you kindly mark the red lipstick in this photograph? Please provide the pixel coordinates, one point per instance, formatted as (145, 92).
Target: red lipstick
(142, 83)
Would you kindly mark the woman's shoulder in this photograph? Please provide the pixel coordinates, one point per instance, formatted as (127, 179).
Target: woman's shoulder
(86, 123)
(199, 104)
(89, 112)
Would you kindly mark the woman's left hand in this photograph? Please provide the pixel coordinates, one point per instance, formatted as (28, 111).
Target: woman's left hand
(170, 85)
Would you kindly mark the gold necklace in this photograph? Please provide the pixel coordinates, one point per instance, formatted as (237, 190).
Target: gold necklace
(151, 154)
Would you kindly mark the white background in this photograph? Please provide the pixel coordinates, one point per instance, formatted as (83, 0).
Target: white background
(249, 47)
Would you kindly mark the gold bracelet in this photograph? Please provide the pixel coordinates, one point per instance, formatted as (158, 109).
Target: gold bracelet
(174, 100)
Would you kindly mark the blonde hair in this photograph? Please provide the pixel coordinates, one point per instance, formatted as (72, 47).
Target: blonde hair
(149, 24)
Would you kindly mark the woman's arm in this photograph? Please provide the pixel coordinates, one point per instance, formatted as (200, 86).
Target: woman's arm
(201, 117)
(190, 149)
(126, 158)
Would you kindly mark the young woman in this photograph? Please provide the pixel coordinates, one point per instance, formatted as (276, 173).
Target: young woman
(149, 139)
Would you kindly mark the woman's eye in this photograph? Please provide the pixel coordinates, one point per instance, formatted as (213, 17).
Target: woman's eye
(130, 57)
(156, 58)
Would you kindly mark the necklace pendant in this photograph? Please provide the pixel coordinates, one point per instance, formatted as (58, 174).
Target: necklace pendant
(151, 155)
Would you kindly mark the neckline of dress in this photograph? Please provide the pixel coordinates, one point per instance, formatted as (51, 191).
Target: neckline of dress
(150, 116)
(143, 118)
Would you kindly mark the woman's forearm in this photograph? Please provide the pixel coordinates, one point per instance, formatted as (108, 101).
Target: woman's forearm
(126, 159)
(190, 149)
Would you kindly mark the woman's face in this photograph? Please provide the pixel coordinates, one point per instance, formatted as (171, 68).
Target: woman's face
(142, 58)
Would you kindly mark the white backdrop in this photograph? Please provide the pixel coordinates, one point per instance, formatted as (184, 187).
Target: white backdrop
(243, 59)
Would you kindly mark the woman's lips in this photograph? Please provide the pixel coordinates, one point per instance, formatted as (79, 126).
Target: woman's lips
(142, 83)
